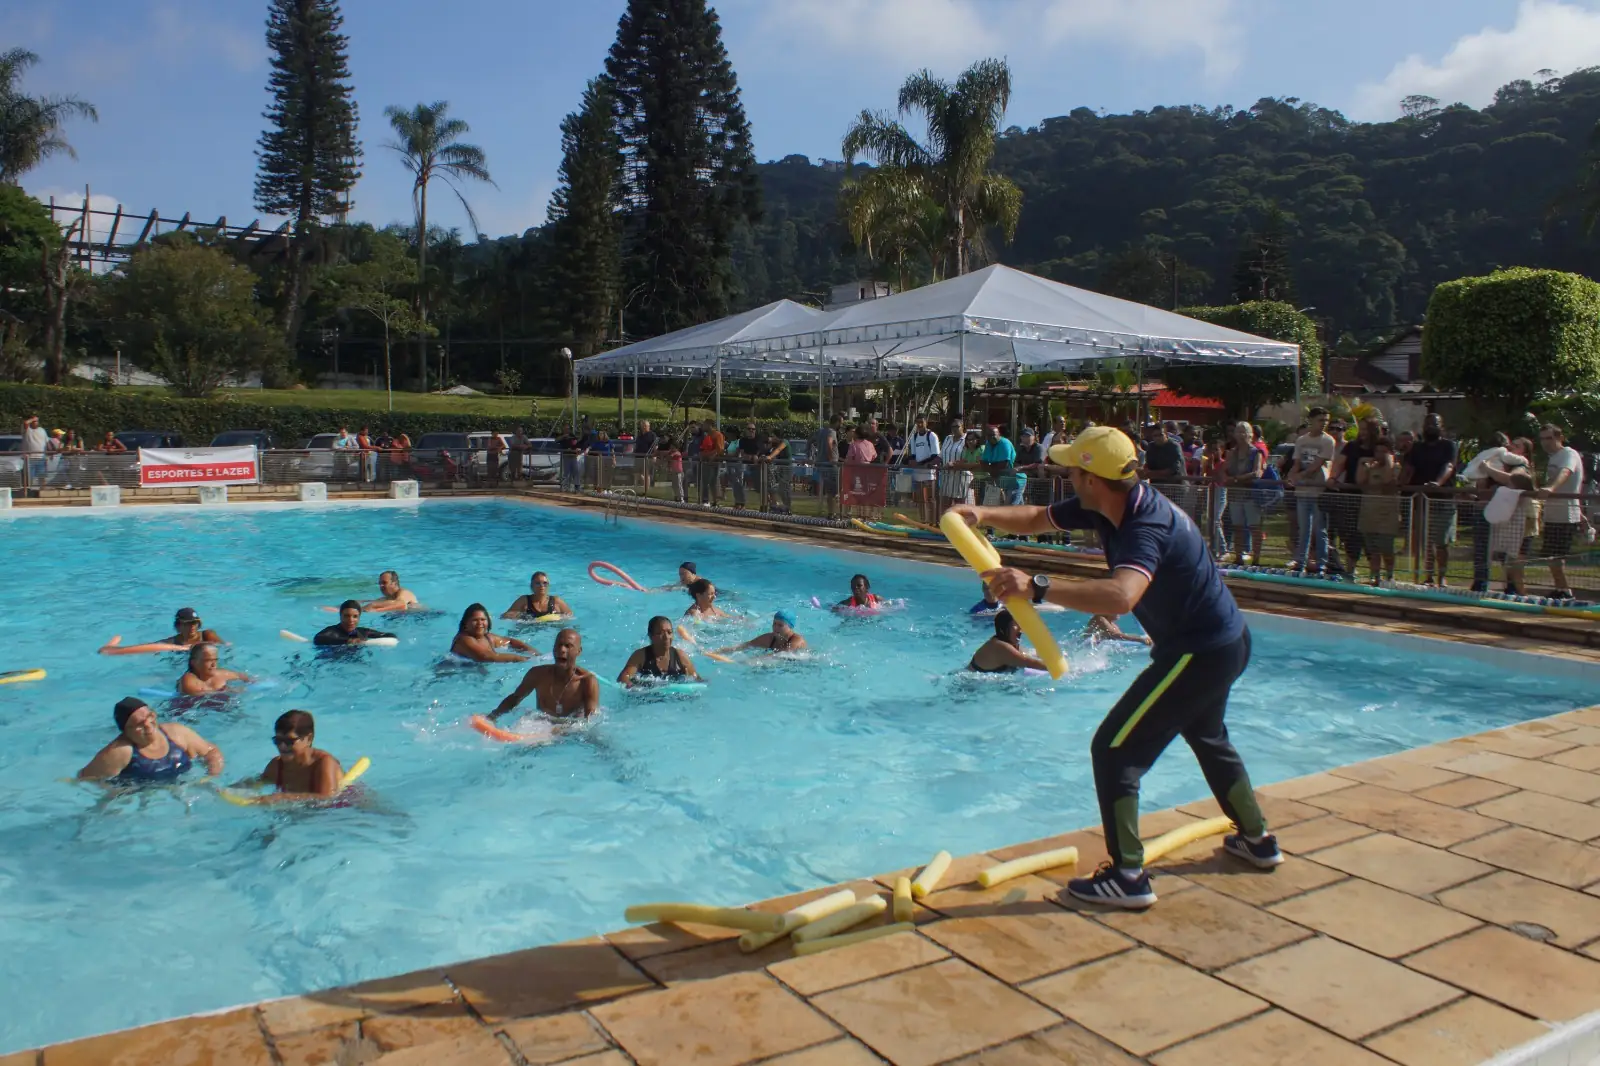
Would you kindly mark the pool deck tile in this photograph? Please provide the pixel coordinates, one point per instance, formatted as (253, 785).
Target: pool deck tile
(233, 1038)
(1551, 814)
(1465, 1033)
(1262, 1040)
(1405, 815)
(547, 979)
(1344, 989)
(811, 975)
(1536, 979)
(1021, 947)
(934, 1013)
(1142, 1001)
(724, 1021)
(1207, 929)
(1400, 864)
(555, 1037)
(1549, 858)
(1065, 1045)
(1511, 899)
(1374, 918)
(1439, 906)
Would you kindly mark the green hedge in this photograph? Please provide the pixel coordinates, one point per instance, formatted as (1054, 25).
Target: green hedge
(93, 411)
(1244, 389)
(1512, 335)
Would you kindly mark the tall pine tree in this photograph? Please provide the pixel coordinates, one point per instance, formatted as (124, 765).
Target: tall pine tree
(584, 227)
(1262, 271)
(688, 167)
(309, 156)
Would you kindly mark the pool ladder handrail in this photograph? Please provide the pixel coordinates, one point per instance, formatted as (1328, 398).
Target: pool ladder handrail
(621, 502)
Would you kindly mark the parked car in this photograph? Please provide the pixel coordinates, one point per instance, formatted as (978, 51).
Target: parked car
(442, 456)
(10, 464)
(263, 439)
(322, 461)
(543, 461)
(134, 439)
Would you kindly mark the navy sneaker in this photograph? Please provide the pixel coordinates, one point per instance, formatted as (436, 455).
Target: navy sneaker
(1264, 854)
(1110, 887)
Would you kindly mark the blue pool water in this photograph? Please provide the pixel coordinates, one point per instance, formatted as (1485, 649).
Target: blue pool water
(781, 777)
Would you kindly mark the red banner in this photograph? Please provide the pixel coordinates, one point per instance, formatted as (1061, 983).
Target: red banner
(198, 466)
(864, 485)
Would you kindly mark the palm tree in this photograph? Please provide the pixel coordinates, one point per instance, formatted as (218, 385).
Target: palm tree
(30, 126)
(953, 166)
(890, 216)
(427, 145)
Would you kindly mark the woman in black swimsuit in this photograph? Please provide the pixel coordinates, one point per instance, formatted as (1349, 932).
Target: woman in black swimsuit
(538, 602)
(658, 660)
(1002, 653)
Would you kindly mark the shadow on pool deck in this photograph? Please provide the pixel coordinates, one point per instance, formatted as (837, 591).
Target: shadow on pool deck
(1439, 906)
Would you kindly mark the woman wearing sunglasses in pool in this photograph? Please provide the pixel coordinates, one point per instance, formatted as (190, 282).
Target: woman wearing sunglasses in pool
(300, 770)
(190, 631)
(538, 602)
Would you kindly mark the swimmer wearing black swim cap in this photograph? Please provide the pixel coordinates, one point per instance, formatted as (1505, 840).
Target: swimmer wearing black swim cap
(148, 751)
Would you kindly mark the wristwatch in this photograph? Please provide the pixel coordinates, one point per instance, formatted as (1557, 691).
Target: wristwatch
(1041, 587)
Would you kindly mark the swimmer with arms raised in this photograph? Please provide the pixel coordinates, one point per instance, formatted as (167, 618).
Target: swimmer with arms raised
(564, 689)
(348, 631)
(538, 602)
(148, 752)
(782, 638)
(190, 631)
(658, 660)
(1002, 653)
(205, 676)
(474, 640)
(300, 770)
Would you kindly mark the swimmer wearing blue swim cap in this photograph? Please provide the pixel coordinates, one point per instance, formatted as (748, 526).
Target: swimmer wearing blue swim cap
(989, 604)
(781, 638)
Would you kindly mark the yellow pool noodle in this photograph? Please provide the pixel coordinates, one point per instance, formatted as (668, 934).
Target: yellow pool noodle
(1167, 843)
(1028, 864)
(903, 907)
(982, 557)
(839, 921)
(724, 917)
(828, 943)
(234, 798)
(793, 919)
(361, 766)
(550, 618)
(928, 879)
(17, 676)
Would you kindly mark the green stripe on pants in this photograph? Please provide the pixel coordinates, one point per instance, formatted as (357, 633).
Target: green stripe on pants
(1150, 700)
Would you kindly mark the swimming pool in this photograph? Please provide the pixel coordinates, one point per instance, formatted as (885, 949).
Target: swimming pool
(781, 777)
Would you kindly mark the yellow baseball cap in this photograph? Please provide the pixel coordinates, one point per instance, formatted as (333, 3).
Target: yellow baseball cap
(1101, 450)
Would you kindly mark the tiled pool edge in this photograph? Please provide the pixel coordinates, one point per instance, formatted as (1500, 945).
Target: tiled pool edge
(1405, 873)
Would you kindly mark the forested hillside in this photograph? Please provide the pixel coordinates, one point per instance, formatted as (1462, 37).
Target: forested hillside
(1372, 215)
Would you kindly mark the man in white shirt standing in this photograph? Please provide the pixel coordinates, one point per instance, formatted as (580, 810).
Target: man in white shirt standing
(34, 442)
(923, 455)
(1563, 474)
(1058, 433)
(953, 483)
(1313, 455)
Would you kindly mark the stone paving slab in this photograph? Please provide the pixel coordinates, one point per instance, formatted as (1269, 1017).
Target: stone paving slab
(1438, 907)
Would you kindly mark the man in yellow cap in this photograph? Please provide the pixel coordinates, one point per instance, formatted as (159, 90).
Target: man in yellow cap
(1162, 574)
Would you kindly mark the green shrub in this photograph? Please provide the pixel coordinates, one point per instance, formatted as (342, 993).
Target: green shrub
(1244, 389)
(775, 409)
(92, 411)
(803, 402)
(1510, 336)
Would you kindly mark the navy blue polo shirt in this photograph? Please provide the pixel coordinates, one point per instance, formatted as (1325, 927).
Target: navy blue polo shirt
(1187, 608)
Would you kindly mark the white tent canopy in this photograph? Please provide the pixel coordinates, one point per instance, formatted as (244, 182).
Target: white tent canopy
(999, 322)
(721, 345)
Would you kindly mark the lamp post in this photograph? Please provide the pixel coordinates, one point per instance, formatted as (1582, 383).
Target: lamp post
(566, 353)
(1298, 412)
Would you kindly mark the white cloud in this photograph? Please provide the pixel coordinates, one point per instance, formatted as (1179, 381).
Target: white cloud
(942, 34)
(99, 225)
(1547, 34)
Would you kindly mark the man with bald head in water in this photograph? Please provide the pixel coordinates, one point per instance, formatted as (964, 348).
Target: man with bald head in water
(564, 689)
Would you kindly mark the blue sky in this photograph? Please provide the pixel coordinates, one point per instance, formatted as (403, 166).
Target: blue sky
(180, 84)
